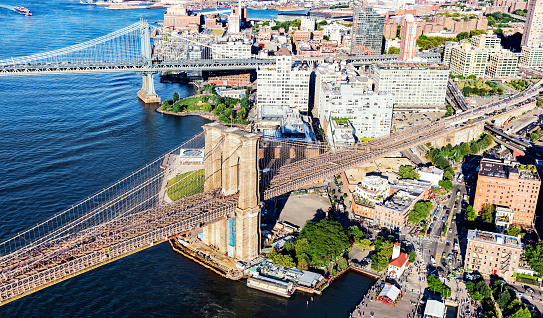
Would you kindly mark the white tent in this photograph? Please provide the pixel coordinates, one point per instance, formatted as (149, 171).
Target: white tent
(434, 309)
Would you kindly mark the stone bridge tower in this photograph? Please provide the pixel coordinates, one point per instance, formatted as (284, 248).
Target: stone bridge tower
(231, 163)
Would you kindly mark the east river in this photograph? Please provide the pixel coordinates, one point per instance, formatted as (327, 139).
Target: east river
(66, 137)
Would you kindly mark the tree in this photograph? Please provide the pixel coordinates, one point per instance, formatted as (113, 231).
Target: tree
(284, 260)
(420, 211)
(355, 232)
(175, 97)
(513, 231)
(393, 50)
(446, 184)
(467, 91)
(208, 107)
(365, 244)
(384, 255)
(539, 102)
(474, 148)
(503, 299)
(412, 256)
(462, 35)
(220, 108)
(342, 263)
(437, 287)
(326, 240)
(488, 213)
(408, 172)
(470, 214)
(302, 265)
(534, 255)
(522, 313)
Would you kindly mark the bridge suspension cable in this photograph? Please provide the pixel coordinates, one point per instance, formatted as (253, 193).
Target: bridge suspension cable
(133, 194)
(120, 45)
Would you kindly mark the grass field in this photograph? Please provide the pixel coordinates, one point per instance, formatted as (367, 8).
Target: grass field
(186, 184)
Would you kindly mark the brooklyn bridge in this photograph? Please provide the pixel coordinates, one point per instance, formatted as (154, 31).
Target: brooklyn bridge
(241, 170)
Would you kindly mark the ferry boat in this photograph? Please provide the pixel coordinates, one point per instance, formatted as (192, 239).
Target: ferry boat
(23, 10)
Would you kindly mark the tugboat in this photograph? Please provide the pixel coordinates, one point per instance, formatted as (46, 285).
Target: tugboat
(23, 10)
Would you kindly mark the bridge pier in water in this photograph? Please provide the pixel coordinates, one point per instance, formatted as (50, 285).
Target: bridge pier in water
(147, 93)
(231, 163)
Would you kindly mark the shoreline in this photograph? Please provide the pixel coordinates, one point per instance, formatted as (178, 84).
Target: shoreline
(203, 114)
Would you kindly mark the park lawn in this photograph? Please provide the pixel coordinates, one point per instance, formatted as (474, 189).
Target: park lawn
(198, 106)
(186, 184)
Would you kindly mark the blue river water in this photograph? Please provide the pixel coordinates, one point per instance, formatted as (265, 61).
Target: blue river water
(65, 137)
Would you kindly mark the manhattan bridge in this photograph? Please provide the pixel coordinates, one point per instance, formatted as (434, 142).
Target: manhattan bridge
(240, 170)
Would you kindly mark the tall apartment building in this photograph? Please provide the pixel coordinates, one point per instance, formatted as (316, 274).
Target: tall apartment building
(447, 52)
(307, 24)
(493, 253)
(533, 27)
(531, 56)
(502, 64)
(284, 84)
(468, 60)
(369, 113)
(367, 32)
(408, 44)
(412, 84)
(486, 41)
(504, 184)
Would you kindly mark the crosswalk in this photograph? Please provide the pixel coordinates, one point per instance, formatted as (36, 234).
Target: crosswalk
(432, 239)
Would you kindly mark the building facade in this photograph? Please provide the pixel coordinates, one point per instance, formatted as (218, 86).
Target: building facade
(284, 84)
(231, 50)
(468, 60)
(533, 27)
(502, 64)
(408, 43)
(504, 184)
(412, 84)
(367, 32)
(370, 113)
(493, 253)
(531, 56)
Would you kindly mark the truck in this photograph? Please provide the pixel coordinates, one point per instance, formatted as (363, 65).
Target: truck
(458, 194)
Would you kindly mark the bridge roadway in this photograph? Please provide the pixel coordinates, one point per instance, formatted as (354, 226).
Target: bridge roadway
(165, 66)
(131, 66)
(30, 270)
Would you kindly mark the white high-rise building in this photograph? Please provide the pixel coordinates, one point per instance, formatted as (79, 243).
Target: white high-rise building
(408, 44)
(369, 113)
(468, 60)
(412, 84)
(284, 84)
(533, 28)
(307, 24)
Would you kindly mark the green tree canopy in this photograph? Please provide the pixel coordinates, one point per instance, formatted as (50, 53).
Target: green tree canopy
(513, 231)
(534, 255)
(326, 239)
(488, 213)
(446, 184)
(421, 210)
(470, 214)
(408, 172)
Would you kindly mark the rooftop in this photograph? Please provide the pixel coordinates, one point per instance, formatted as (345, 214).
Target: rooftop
(495, 168)
(410, 66)
(495, 238)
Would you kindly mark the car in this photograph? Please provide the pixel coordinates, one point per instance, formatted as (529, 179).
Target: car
(448, 243)
(450, 255)
(450, 230)
(450, 262)
(530, 290)
(444, 255)
(443, 219)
